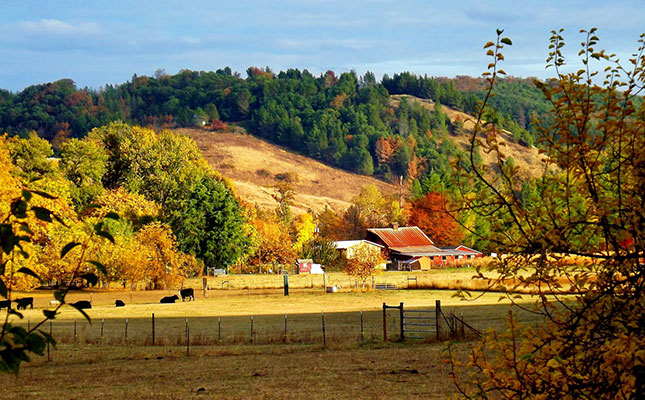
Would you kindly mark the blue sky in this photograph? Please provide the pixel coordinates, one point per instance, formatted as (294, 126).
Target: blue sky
(100, 42)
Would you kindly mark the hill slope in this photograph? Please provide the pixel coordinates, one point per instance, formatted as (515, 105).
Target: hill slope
(253, 164)
(527, 159)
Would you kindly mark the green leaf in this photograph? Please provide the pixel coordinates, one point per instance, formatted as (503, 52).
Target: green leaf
(49, 314)
(68, 247)
(507, 41)
(3, 288)
(90, 278)
(19, 208)
(106, 235)
(112, 215)
(98, 266)
(48, 337)
(499, 31)
(42, 214)
(87, 317)
(24, 227)
(27, 271)
(60, 296)
(26, 194)
(43, 194)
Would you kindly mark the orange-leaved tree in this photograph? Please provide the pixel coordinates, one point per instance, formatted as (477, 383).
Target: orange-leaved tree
(431, 214)
(590, 342)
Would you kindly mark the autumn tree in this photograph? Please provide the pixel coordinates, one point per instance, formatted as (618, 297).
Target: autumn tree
(364, 263)
(589, 206)
(272, 245)
(84, 163)
(431, 214)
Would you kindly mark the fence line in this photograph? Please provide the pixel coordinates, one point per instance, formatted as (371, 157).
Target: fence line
(336, 327)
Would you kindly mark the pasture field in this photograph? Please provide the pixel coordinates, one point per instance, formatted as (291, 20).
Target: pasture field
(232, 357)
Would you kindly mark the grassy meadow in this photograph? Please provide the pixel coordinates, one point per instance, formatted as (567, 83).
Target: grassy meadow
(238, 345)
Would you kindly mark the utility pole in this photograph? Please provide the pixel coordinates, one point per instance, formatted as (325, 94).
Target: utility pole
(400, 191)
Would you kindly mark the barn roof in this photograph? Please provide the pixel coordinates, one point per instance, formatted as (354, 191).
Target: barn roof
(461, 248)
(406, 236)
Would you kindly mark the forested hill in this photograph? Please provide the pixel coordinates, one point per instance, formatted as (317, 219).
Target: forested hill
(346, 121)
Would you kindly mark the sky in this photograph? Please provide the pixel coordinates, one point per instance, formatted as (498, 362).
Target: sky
(95, 42)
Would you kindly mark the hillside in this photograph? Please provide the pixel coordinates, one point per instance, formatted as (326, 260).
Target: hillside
(253, 164)
(527, 159)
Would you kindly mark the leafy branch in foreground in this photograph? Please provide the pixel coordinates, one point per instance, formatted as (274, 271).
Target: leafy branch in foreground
(579, 246)
(17, 343)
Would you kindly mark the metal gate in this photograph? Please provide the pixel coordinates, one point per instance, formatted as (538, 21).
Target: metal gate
(415, 324)
(419, 324)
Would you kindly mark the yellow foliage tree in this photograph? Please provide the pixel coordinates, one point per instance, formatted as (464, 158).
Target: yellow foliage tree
(162, 264)
(364, 263)
(589, 205)
(305, 228)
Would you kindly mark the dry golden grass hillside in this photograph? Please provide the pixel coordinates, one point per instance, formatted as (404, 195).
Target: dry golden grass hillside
(256, 166)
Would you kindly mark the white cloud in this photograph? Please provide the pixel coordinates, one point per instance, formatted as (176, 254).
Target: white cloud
(57, 27)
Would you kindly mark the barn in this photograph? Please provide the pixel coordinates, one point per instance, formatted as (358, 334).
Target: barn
(409, 248)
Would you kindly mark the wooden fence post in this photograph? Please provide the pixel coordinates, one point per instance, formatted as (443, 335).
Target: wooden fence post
(401, 318)
(437, 319)
(219, 329)
(285, 327)
(323, 330)
(285, 278)
(461, 327)
(384, 323)
(362, 332)
(251, 329)
(126, 328)
(50, 334)
(102, 325)
(74, 330)
(187, 338)
(324, 282)
(153, 329)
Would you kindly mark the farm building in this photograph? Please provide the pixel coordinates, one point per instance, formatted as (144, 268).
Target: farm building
(307, 266)
(347, 248)
(410, 249)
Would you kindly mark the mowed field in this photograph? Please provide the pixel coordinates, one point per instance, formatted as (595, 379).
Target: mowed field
(232, 355)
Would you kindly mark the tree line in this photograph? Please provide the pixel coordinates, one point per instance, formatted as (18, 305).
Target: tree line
(347, 121)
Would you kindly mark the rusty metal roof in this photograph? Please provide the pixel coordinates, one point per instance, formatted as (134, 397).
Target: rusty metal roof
(406, 236)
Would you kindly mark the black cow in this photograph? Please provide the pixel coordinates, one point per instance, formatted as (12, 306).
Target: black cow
(24, 302)
(82, 305)
(169, 299)
(119, 303)
(187, 294)
(5, 304)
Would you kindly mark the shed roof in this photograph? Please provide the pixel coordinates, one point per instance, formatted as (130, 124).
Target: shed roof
(345, 244)
(406, 236)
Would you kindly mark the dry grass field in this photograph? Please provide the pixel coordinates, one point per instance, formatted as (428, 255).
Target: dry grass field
(255, 166)
(230, 358)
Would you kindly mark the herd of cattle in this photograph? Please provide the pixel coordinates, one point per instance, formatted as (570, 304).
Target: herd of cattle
(23, 303)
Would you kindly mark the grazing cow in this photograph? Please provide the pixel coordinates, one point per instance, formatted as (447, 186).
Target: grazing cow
(82, 305)
(119, 303)
(187, 294)
(169, 299)
(24, 302)
(5, 304)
